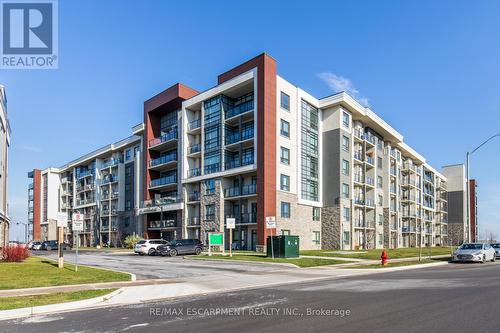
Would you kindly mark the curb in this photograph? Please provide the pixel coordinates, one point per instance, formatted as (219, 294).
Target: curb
(246, 261)
(51, 308)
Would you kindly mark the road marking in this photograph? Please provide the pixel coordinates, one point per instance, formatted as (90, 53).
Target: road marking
(134, 326)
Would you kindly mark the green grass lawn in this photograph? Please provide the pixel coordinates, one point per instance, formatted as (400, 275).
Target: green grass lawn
(39, 272)
(301, 262)
(375, 254)
(8, 303)
(398, 263)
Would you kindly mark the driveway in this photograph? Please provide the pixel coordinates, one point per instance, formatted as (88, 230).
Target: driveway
(158, 267)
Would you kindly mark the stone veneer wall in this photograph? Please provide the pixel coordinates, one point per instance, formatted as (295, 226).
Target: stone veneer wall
(387, 228)
(331, 237)
(300, 224)
(4, 234)
(456, 233)
(208, 199)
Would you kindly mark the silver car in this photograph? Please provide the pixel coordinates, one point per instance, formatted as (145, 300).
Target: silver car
(148, 246)
(475, 252)
(496, 247)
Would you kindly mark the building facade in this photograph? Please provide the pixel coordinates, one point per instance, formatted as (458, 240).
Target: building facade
(256, 146)
(4, 154)
(457, 197)
(104, 186)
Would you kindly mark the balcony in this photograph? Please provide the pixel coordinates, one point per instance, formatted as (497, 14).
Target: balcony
(163, 182)
(393, 153)
(86, 187)
(82, 202)
(109, 179)
(158, 205)
(393, 190)
(194, 196)
(162, 224)
(211, 168)
(111, 163)
(244, 190)
(195, 172)
(245, 218)
(358, 178)
(237, 163)
(193, 221)
(194, 149)
(84, 174)
(408, 182)
(107, 196)
(408, 229)
(105, 227)
(237, 137)
(164, 141)
(109, 212)
(358, 134)
(163, 162)
(65, 180)
(370, 139)
(393, 171)
(30, 186)
(240, 109)
(409, 213)
(369, 181)
(370, 161)
(194, 125)
(407, 167)
(408, 197)
(370, 203)
(360, 223)
(358, 156)
(359, 201)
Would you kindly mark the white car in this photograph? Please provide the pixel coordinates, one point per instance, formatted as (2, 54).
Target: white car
(148, 246)
(35, 245)
(476, 252)
(496, 247)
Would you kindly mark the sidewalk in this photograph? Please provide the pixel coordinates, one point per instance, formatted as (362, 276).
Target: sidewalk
(155, 290)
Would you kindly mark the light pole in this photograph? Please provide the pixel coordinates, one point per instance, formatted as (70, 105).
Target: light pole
(468, 186)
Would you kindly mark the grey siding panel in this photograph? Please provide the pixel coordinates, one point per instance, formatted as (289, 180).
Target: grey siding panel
(455, 207)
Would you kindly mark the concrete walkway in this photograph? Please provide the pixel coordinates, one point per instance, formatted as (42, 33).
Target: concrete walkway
(153, 290)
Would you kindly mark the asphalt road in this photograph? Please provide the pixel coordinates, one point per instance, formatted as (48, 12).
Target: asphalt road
(450, 298)
(158, 267)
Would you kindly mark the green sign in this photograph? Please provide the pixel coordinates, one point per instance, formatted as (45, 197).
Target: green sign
(215, 239)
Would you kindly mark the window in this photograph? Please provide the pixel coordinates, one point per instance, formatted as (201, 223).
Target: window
(316, 214)
(285, 232)
(380, 200)
(345, 191)
(284, 182)
(345, 143)
(346, 213)
(309, 152)
(380, 219)
(128, 155)
(316, 237)
(379, 182)
(285, 101)
(136, 149)
(128, 205)
(126, 222)
(346, 237)
(345, 167)
(380, 239)
(285, 156)
(379, 162)
(209, 186)
(285, 210)
(345, 119)
(285, 128)
(210, 212)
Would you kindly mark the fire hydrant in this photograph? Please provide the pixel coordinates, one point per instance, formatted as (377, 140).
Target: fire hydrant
(384, 257)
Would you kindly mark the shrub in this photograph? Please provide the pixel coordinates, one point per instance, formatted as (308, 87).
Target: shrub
(131, 240)
(15, 253)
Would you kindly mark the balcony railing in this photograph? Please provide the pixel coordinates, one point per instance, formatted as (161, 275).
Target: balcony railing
(360, 223)
(161, 224)
(163, 160)
(30, 186)
(370, 160)
(211, 168)
(393, 171)
(163, 181)
(107, 196)
(194, 124)
(195, 172)
(236, 137)
(194, 196)
(370, 139)
(236, 163)
(370, 203)
(111, 163)
(158, 202)
(242, 108)
(105, 227)
(86, 173)
(358, 156)
(111, 178)
(408, 229)
(369, 181)
(81, 202)
(164, 138)
(359, 134)
(107, 211)
(196, 148)
(238, 191)
(193, 221)
(358, 178)
(359, 201)
(245, 218)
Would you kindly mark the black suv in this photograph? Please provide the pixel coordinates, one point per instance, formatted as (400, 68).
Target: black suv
(52, 245)
(181, 246)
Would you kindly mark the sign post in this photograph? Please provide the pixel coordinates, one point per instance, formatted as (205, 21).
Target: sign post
(230, 224)
(271, 224)
(77, 226)
(62, 222)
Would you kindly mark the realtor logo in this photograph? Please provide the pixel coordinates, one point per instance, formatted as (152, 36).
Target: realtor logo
(29, 34)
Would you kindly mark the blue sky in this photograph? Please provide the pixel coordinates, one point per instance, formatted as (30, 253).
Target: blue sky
(430, 68)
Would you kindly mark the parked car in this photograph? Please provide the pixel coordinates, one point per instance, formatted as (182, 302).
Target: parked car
(52, 245)
(35, 245)
(181, 246)
(476, 252)
(496, 247)
(148, 246)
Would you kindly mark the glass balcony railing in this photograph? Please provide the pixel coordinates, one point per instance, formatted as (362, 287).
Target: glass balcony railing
(196, 148)
(160, 224)
(236, 137)
(237, 163)
(369, 181)
(192, 125)
(164, 138)
(211, 168)
(370, 203)
(370, 160)
(193, 221)
(239, 191)
(86, 173)
(245, 218)
(358, 156)
(194, 196)
(237, 110)
(163, 181)
(359, 178)
(360, 223)
(163, 160)
(111, 178)
(158, 202)
(195, 172)
(408, 229)
(359, 201)
(111, 163)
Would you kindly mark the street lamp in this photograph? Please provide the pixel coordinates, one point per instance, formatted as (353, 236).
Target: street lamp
(468, 189)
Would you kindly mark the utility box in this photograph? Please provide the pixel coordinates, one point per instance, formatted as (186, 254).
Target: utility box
(284, 246)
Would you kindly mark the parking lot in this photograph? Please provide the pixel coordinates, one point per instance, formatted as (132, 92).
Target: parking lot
(158, 267)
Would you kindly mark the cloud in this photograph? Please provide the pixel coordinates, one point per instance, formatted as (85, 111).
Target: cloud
(339, 83)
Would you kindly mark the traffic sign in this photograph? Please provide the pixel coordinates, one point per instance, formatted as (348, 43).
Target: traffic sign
(77, 217)
(62, 220)
(77, 226)
(270, 222)
(230, 222)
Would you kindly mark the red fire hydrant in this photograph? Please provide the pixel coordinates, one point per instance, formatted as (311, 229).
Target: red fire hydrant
(384, 257)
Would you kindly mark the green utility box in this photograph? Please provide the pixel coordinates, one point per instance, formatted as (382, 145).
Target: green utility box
(284, 246)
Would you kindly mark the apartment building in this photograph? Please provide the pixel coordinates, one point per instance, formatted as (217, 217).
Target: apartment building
(4, 152)
(103, 185)
(255, 145)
